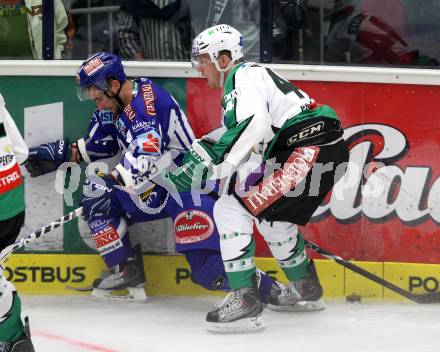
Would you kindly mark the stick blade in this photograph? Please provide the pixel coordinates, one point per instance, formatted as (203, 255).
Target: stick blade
(427, 298)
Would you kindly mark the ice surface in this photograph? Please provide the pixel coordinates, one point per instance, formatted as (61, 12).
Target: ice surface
(177, 324)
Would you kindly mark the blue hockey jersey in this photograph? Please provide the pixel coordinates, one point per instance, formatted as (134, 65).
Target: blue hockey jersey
(150, 125)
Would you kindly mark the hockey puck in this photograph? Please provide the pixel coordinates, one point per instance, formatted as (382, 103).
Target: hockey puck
(353, 298)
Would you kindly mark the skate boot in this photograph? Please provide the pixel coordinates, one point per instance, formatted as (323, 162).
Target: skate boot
(263, 300)
(301, 295)
(241, 311)
(22, 344)
(124, 282)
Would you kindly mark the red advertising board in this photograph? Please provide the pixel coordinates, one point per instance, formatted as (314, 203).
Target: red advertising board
(388, 209)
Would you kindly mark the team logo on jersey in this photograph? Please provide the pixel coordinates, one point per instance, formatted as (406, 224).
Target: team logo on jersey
(149, 142)
(192, 226)
(149, 99)
(129, 112)
(92, 66)
(143, 125)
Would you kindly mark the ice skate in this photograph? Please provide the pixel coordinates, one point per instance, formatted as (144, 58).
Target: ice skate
(223, 301)
(240, 312)
(124, 282)
(22, 344)
(219, 303)
(299, 296)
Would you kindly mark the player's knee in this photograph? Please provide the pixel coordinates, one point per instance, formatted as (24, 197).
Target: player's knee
(209, 281)
(111, 239)
(97, 197)
(277, 231)
(210, 273)
(227, 207)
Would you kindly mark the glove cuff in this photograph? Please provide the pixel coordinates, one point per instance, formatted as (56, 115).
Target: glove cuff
(68, 153)
(82, 151)
(203, 151)
(63, 152)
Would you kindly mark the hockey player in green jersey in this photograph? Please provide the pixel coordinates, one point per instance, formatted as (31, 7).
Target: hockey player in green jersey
(14, 336)
(303, 154)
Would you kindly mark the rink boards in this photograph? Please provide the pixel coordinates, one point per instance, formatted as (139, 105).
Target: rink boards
(391, 121)
(169, 275)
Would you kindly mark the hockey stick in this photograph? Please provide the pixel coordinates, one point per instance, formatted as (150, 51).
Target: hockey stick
(6, 252)
(422, 298)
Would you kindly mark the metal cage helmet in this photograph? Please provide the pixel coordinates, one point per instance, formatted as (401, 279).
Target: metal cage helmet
(96, 70)
(216, 39)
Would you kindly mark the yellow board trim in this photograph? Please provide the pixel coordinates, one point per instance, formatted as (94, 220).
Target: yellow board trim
(52, 274)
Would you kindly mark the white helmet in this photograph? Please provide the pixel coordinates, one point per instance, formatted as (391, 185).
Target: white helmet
(215, 39)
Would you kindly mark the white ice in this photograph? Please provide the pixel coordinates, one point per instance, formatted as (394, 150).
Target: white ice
(165, 324)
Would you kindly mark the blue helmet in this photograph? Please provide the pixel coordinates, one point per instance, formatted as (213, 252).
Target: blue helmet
(96, 70)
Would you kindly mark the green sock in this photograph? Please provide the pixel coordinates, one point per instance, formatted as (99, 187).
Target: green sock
(295, 267)
(12, 327)
(240, 270)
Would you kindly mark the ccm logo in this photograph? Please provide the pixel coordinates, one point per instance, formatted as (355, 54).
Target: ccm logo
(306, 132)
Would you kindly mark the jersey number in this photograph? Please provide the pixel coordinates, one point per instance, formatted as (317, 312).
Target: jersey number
(283, 85)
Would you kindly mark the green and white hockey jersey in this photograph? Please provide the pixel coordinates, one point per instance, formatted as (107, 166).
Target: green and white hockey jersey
(257, 102)
(13, 151)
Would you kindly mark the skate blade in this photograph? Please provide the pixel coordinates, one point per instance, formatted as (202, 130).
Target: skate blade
(252, 324)
(303, 306)
(132, 294)
(80, 289)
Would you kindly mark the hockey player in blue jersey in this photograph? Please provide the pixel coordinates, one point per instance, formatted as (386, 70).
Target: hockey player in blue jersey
(142, 121)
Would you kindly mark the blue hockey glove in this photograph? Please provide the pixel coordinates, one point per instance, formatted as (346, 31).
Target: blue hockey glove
(47, 157)
(194, 169)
